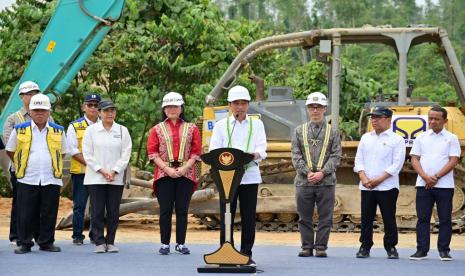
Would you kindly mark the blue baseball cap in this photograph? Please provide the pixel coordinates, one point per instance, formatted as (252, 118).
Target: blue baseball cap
(92, 97)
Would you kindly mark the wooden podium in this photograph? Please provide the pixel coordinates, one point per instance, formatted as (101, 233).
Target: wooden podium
(227, 169)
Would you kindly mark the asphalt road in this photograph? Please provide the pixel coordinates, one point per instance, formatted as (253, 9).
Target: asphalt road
(142, 259)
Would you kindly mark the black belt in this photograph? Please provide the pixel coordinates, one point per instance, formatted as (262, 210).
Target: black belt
(175, 164)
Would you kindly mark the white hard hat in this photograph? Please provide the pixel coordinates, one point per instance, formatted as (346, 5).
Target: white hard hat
(172, 98)
(28, 86)
(238, 93)
(317, 98)
(40, 101)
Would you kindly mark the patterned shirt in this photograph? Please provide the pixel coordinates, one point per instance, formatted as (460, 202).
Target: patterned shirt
(331, 160)
(156, 146)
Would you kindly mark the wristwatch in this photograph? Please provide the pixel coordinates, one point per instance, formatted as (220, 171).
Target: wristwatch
(437, 176)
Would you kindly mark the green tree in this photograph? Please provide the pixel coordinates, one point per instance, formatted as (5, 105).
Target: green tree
(156, 47)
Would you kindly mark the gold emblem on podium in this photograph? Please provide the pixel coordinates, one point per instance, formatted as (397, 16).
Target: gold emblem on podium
(226, 158)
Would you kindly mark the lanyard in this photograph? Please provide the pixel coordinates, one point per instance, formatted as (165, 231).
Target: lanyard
(249, 134)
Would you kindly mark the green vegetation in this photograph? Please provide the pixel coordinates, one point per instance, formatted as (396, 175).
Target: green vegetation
(186, 45)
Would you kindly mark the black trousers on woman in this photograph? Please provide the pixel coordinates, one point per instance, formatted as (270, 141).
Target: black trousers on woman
(174, 193)
(104, 197)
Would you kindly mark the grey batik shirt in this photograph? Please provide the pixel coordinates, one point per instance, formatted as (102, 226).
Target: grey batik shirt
(316, 135)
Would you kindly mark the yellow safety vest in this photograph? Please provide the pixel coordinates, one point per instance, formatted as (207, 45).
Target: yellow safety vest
(23, 148)
(80, 126)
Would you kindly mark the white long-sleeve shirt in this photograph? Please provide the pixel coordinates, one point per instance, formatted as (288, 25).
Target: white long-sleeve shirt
(108, 150)
(239, 138)
(71, 139)
(39, 170)
(434, 150)
(377, 154)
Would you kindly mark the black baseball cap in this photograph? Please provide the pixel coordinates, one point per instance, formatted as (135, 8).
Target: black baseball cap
(381, 111)
(105, 104)
(92, 97)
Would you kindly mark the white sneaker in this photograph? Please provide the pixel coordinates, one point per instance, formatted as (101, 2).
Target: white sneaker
(100, 249)
(112, 249)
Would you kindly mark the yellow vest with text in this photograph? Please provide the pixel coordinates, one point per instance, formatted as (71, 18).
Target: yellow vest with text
(80, 126)
(23, 148)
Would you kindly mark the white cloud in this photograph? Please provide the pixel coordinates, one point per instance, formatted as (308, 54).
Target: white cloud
(6, 3)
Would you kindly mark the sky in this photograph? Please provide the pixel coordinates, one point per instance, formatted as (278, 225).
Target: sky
(5, 3)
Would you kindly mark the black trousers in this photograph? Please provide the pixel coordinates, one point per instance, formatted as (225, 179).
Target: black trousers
(425, 200)
(14, 209)
(174, 193)
(37, 204)
(247, 195)
(104, 197)
(386, 200)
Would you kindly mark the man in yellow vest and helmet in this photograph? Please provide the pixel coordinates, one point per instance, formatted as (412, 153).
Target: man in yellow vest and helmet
(26, 91)
(37, 148)
(74, 137)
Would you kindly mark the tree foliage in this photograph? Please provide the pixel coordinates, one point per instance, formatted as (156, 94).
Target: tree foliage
(156, 47)
(179, 45)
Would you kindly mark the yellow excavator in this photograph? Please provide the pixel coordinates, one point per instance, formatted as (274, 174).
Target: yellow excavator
(281, 113)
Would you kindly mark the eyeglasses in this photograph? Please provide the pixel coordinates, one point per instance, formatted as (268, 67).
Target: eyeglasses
(377, 117)
(315, 107)
(92, 105)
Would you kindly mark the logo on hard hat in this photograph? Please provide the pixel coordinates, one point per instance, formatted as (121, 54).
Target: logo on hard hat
(226, 158)
(172, 100)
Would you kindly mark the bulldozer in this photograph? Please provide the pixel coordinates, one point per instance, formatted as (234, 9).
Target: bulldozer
(64, 53)
(281, 113)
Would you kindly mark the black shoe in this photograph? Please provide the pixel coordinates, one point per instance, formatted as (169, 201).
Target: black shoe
(251, 262)
(22, 249)
(445, 256)
(78, 241)
(363, 253)
(321, 253)
(306, 252)
(419, 255)
(50, 248)
(392, 253)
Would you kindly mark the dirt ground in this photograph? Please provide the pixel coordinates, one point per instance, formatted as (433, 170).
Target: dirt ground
(144, 228)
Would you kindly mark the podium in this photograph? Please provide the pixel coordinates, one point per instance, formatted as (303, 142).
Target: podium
(227, 169)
